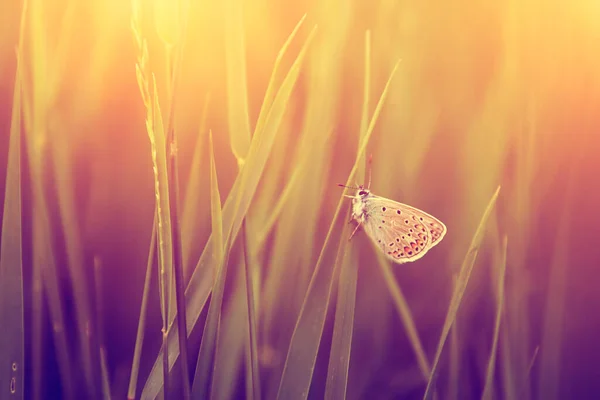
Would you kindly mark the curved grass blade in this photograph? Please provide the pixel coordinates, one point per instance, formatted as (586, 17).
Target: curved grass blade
(12, 345)
(489, 378)
(236, 205)
(459, 290)
(302, 352)
(237, 90)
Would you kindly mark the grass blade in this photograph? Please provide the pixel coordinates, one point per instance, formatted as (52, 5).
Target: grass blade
(302, 352)
(489, 379)
(190, 211)
(202, 376)
(12, 345)
(252, 320)
(236, 205)
(459, 290)
(339, 359)
(237, 90)
(139, 338)
(405, 314)
(215, 206)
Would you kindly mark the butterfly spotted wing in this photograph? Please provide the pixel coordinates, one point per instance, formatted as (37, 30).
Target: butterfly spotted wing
(402, 232)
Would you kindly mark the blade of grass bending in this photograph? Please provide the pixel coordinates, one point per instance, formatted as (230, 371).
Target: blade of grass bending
(252, 320)
(12, 345)
(339, 356)
(459, 290)
(201, 281)
(139, 339)
(341, 344)
(302, 352)
(237, 90)
(489, 379)
(200, 385)
(405, 314)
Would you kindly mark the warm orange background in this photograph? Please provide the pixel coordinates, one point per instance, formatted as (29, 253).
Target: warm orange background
(477, 77)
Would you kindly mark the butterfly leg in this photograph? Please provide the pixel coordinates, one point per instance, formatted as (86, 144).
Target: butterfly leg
(354, 231)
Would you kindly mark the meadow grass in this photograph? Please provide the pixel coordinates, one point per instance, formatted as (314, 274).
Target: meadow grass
(219, 265)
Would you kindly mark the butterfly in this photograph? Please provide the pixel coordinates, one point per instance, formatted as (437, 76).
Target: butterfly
(403, 233)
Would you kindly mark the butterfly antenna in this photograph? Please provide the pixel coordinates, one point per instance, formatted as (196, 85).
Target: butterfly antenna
(349, 187)
(369, 170)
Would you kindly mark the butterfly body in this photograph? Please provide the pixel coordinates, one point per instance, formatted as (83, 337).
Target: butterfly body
(402, 232)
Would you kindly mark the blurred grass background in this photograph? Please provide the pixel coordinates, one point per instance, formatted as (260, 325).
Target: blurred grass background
(295, 94)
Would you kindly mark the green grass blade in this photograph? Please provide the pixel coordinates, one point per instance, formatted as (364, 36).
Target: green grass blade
(252, 351)
(489, 379)
(139, 338)
(237, 90)
(339, 356)
(405, 314)
(459, 290)
(231, 341)
(190, 213)
(235, 207)
(215, 206)
(302, 352)
(206, 355)
(339, 359)
(12, 345)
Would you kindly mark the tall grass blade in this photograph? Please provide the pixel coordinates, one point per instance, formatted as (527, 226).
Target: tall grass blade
(459, 290)
(237, 203)
(139, 338)
(190, 212)
(302, 352)
(173, 193)
(252, 319)
(216, 214)
(489, 379)
(204, 364)
(12, 345)
(339, 356)
(165, 256)
(341, 345)
(405, 314)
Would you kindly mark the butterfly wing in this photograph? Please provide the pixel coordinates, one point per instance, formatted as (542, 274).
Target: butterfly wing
(402, 232)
